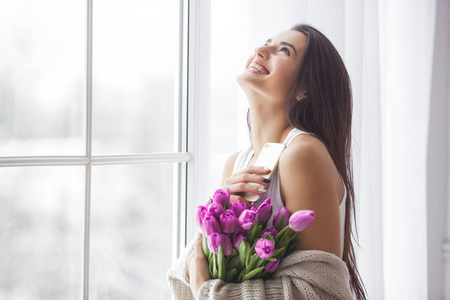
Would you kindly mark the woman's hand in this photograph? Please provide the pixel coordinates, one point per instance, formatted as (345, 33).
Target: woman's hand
(238, 183)
(198, 270)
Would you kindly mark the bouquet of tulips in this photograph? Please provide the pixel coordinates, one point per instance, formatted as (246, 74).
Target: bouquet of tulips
(238, 242)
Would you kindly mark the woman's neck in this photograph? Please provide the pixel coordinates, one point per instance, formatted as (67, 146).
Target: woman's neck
(268, 124)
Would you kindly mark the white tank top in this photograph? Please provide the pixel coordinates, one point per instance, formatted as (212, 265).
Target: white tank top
(273, 189)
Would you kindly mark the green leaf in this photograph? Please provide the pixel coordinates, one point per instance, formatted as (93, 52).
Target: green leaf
(253, 259)
(205, 245)
(282, 232)
(292, 245)
(250, 275)
(211, 264)
(221, 264)
(278, 251)
(240, 276)
(234, 263)
(244, 251)
(252, 235)
(269, 237)
(214, 269)
(231, 275)
(280, 224)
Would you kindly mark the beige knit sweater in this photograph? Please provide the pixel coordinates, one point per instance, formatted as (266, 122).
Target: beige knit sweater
(309, 274)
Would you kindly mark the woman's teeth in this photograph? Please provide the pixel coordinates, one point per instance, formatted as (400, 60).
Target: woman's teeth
(258, 68)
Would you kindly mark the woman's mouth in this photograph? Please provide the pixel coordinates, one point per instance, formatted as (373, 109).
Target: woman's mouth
(258, 68)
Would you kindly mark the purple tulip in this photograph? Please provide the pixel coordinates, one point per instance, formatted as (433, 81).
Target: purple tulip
(248, 219)
(283, 211)
(264, 248)
(238, 237)
(264, 211)
(271, 266)
(216, 239)
(301, 219)
(201, 211)
(270, 230)
(210, 224)
(228, 221)
(252, 207)
(216, 209)
(222, 197)
(238, 207)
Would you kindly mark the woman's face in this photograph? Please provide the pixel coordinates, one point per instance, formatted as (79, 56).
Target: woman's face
(270, 71)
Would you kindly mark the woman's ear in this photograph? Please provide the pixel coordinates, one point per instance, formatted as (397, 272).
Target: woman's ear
(301, 95)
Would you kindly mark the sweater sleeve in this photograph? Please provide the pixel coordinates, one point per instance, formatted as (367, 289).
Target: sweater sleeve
(177, 275)
(306, 275)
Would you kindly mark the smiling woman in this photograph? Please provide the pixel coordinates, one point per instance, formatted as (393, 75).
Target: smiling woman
(299, 94)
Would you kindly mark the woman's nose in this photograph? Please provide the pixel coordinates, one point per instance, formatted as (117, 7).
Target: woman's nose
(261, 51)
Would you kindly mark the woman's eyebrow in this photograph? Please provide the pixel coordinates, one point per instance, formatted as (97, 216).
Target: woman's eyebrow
(284, 43)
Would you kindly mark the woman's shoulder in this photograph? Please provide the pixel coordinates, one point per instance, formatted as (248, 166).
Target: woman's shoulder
(305, 148)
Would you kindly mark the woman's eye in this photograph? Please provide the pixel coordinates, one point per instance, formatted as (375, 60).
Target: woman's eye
(286, 50)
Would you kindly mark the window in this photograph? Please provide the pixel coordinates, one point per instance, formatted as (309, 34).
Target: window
(93, 154)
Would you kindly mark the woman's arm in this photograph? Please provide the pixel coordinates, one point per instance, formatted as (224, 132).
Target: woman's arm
(308, 181)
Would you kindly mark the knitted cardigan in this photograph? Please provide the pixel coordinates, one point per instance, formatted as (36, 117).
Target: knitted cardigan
(303, 274)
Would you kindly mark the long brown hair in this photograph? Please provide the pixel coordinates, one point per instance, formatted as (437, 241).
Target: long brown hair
(326, 112)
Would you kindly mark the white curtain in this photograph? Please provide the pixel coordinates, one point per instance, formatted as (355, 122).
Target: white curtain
(397, 54)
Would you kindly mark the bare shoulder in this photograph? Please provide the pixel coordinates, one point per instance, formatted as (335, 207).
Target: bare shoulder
(308, 181)
(229, 165)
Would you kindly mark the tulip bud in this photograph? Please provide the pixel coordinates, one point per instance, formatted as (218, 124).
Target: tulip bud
(222, 197)
(216, 209)
(238, 207)
(238, 237)
(248, 219)
(270, 230)
(271, 266)
(210, 224)
(264, 248)
(264, 211)
(201, 211)
(301, 219)
(228, 221)
(216, 239)
(283, 211)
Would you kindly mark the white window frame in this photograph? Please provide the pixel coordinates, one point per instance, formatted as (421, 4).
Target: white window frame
(184, 127)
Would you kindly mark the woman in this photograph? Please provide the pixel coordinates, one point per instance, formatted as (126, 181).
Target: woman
(299, 94)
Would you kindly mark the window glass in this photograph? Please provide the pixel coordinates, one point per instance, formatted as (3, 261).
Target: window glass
(43, 82)
(131, 231)
(41, 232)
(135, 67)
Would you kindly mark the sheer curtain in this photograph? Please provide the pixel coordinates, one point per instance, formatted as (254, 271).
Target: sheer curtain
(397, 55)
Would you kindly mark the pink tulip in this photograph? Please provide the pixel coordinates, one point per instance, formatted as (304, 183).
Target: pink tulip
(222, 197)
(264, 211)
(238, 207)
(248, 219)
(264, 248)
(238, 237)
(210, 224)
(228, 221)
(216, 209)
(283, 211)
(270, 230)
(216, 239)
(201, 211)
(271, 266)
(301, 219)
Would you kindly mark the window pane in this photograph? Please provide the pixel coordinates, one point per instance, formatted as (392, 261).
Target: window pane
(41, 232)
(134, 74)
(42, 73)
(131, 231)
